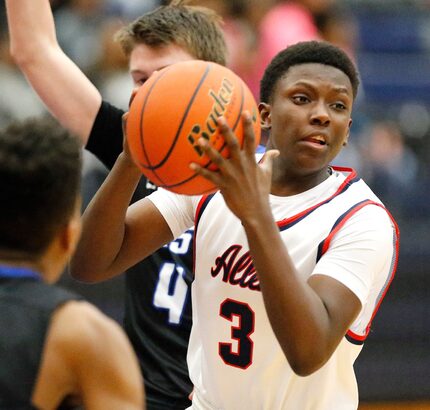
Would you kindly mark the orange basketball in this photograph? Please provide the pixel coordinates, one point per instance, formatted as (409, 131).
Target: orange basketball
(173, 109)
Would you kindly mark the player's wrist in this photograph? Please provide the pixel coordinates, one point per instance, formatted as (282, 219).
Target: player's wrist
(127, 164)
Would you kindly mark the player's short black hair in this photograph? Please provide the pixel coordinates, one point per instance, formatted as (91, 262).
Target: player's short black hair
(319, 52)
(40, 174)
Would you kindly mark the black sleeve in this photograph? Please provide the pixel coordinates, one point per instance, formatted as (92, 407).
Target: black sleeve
(106, 139)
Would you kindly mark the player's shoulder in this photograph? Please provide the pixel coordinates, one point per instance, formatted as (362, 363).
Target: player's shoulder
(372, 223)
(375, 215)
(358, 195)
(371, 207)
(84, 345)
(78, 326)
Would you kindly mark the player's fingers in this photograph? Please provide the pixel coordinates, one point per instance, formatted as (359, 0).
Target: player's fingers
(133, 94)
(212, 176)
(229, 137)
(124, 123)
(267, 159)
(215, 157)
(125, 146)
(248, 133)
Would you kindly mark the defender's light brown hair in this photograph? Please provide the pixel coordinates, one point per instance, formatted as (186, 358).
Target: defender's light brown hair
(196, 29)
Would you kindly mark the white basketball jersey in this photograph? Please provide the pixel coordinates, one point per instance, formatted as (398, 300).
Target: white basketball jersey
(338, 228)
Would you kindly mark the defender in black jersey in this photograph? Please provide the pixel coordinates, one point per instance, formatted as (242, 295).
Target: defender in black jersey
(158, 311)
(157, 298)
(52, 344)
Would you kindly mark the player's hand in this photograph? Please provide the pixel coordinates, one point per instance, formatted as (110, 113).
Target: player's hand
(125, 146)
(133, 94)
(244, 183)
(126, 154)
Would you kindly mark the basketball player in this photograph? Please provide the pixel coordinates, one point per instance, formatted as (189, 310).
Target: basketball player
(292, 256)
(157, 306)
(55, 350)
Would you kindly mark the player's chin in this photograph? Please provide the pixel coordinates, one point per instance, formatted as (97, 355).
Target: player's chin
(310, 164)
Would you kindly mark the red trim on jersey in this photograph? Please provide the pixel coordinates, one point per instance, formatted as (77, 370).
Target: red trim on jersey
(326, 245)
(348, 181)
(393, 271)
(199, 211)
(336, 229)
(355, 336)
(344, 169)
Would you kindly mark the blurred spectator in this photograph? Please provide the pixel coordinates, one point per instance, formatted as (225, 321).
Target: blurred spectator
(130, 9)
(338, 26)
(112, 77)
(390, 166)
(56, 4)
(286, 23)
(240, 36)
(350, 157)
(2, 16)
(17, 98)
(80, 22)
(289, 22)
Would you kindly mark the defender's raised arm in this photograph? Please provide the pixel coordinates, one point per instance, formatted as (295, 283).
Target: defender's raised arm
(62, 86)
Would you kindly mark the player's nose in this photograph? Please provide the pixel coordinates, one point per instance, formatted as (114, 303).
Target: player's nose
(319, 114)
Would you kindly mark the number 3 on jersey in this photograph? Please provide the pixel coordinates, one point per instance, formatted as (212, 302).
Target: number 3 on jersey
(241, 355)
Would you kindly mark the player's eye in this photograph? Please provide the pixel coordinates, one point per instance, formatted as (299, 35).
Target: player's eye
(140, 81)
(339, 106)
(300, 99)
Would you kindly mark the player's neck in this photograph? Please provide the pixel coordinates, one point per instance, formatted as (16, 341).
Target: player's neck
(293, 184)
(21, 259)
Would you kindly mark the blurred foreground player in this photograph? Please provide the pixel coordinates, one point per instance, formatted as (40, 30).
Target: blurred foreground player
(55, 350)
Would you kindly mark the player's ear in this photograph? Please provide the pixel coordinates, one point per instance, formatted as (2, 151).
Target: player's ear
(72, 231)
(265, 115)
(345, 141)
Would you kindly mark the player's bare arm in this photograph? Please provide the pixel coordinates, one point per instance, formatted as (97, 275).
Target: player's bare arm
(88, 359)
(300, 312)
(64, 89)
(114, 235)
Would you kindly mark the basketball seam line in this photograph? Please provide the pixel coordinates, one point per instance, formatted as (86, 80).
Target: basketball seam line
(210, 162)
(162, 162)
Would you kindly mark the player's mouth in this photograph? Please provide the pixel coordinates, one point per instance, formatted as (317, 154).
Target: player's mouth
(318, 140)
